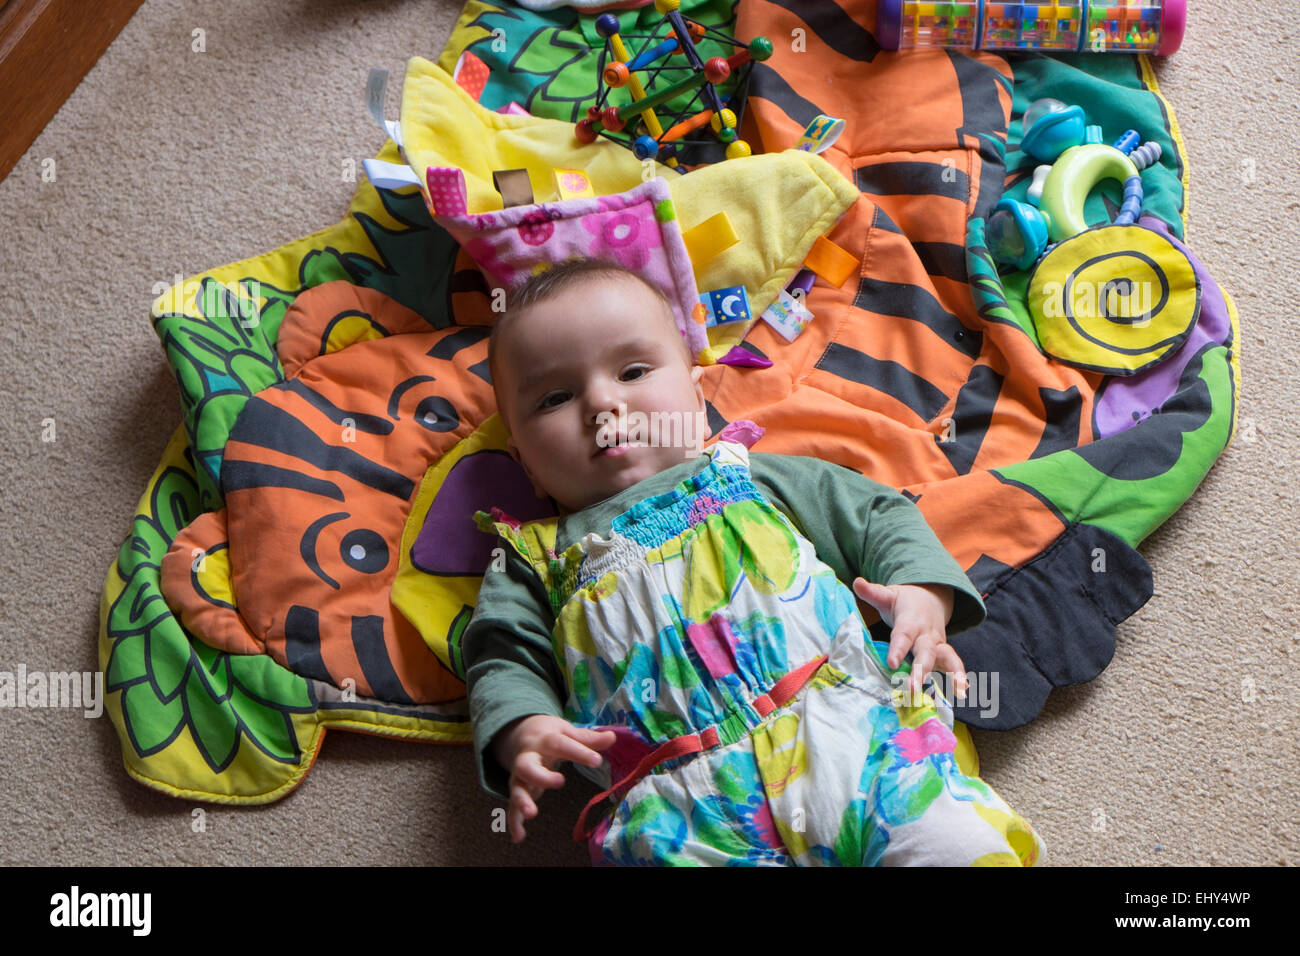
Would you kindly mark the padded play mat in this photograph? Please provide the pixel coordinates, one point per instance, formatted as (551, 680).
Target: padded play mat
(304, 556)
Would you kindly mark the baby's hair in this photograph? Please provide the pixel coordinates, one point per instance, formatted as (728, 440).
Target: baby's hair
(546, 285)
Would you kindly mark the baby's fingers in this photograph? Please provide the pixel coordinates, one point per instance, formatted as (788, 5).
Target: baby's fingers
(530, 770)
(900, 642)
(522, 808)
(922, 664)
(929, 655)
(573, 745)
(949, 662)
(595, 739)
(878, 596)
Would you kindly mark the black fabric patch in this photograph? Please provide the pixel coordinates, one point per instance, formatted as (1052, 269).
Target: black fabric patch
(716, 422)
(984, 120)
(362, 421)
(239, 475)
(907, 301)
(451, 344)
(834, 27)
(436, 414)
(302, 644)
(268, 426)
(971, 416)
(372, 653)
(985, 572)
(1051, 623)
(881, 220)
(307, 545)
(912, 178)
(945, 259)
(1063, 410)
(1153, 447)
(466, 280)
(400, 389)
(374, 551)
(770, 85)
(886, 376)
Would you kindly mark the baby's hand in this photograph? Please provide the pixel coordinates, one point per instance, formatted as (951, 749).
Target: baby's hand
(530, 748)
(918, 614)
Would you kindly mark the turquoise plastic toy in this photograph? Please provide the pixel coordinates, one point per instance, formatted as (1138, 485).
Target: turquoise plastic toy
(1016, 234)
(1050, 128)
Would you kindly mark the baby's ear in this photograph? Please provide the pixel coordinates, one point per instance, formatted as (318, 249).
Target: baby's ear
(701, 432)
(513, 449)
(696, 374)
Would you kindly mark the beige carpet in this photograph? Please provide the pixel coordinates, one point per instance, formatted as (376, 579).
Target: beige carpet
(168, 162)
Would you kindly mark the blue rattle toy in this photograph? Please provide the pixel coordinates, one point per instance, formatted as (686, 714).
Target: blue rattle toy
(1019, 233)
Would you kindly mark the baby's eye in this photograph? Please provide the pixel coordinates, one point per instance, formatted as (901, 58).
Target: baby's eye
(553, 399)
(635, 372)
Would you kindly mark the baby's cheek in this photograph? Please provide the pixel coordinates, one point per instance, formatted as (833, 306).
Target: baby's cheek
(675, 404)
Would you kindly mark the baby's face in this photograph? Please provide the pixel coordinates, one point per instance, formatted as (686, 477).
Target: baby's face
(598, 391)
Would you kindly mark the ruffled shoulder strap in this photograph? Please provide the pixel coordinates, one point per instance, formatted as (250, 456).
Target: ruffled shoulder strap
(732, 445)
(534, 541)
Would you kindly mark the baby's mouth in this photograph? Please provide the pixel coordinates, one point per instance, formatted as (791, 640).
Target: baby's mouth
(612, 449)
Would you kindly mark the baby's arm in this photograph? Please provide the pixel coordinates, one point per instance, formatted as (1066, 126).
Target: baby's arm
(529, 748)
(898, 546)
(877, 539)
(515, 692)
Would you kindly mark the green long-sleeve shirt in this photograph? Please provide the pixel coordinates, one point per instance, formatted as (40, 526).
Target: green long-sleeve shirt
(857, 526)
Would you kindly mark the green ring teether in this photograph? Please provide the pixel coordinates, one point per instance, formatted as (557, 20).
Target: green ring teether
(1073, 176)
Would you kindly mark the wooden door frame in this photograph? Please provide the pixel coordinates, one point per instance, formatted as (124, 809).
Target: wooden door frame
(46, 48)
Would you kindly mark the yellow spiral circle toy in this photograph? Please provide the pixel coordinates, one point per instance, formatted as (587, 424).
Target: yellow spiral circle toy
(1114, 299)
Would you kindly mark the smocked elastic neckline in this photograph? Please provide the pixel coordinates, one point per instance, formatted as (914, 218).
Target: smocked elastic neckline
(683, 489)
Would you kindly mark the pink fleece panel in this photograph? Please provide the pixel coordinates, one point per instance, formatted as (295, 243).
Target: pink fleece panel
(446, 191)
(742, 431)
(637, 229)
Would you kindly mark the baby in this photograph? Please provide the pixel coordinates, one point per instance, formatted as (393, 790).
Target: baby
(681, 633)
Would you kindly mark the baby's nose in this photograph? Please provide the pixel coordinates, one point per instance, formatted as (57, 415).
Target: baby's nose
(602, 399)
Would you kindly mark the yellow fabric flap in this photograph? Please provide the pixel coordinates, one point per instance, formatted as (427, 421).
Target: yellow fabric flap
(779, 203)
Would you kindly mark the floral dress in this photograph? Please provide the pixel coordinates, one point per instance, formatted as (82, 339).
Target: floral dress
(755, 718)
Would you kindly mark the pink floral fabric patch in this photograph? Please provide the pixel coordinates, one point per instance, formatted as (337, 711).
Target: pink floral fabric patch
(637, 229)
(932, 737)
